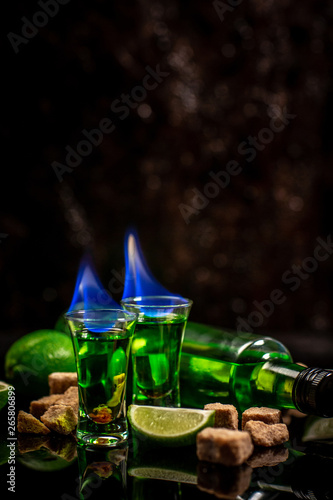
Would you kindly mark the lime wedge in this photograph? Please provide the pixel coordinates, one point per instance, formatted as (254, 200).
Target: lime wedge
(163, 474)
(3, 394)
(169, 426)
(318, 428)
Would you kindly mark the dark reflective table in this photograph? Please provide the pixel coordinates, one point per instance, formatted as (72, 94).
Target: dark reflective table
(56, 468)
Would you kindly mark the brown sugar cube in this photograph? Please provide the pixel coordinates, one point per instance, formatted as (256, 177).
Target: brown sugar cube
(61, 419)
(39, 406)
(224, 446)
(267, 415)
(29, 424)
(266, 434)
(70, 398)
(225, 415)
(60, 381)
(222, 481)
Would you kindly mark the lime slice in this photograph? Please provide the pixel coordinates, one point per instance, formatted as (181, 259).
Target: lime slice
(169, 426)
(163, 474)
(3, 394)
(318, 428)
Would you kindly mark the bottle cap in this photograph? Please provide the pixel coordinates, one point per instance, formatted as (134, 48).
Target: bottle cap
(313, 392)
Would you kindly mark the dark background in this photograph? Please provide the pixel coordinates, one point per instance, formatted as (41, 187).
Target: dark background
(226, 77)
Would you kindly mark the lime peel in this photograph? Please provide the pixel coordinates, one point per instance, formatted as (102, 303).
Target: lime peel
(169, 426)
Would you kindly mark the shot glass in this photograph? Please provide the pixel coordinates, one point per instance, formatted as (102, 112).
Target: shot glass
(102, 342)
(156, 348)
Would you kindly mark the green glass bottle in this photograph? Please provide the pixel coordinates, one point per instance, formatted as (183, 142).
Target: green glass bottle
(245, 369)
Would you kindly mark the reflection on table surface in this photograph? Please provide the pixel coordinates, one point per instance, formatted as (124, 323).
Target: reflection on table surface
(136, 471)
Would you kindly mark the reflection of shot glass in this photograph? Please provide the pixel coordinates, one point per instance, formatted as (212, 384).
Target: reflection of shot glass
(156, 347)
(102, 342)
(102, 471)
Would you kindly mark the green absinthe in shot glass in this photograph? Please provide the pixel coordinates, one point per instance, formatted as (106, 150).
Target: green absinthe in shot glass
(155, 354)
(102, 342)
(156, 347)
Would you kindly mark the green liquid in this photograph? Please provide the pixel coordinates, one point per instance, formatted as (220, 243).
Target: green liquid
(266, 383)
(239, 368)
(155, 356)
(246, 370)
(102, 361)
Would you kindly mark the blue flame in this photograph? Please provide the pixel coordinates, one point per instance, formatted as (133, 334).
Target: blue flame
(89, 293)
(139, 280)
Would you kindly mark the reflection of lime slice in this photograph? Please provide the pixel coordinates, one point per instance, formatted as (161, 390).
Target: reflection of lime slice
(318, 428)
(42, 460)
(118, 387)
(118, 361)
(169, 426)
(159, 366)
(3, 394)
(164, 474)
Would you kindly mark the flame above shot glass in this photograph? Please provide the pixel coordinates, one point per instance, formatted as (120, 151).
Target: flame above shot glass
(102, 342)
(156, 347)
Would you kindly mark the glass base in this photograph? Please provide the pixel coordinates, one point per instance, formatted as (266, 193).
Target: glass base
(171, 399)
(95, 435)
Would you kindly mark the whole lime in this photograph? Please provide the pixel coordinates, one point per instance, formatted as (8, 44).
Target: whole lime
(62, 325)
(31, 358)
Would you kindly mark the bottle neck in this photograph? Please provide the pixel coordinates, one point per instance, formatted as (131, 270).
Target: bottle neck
(272, 383)
(313, 392)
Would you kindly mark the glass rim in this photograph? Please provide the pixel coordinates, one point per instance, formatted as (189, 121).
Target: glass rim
(135, 301)
(78, 314)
